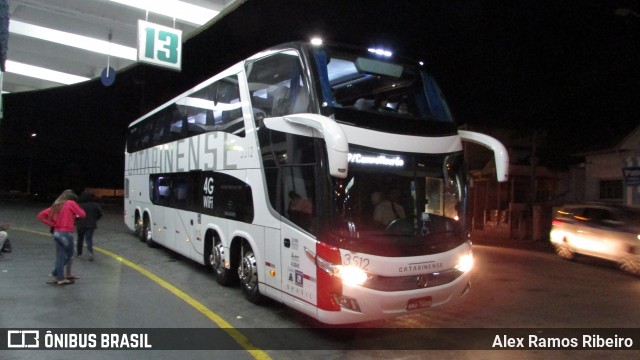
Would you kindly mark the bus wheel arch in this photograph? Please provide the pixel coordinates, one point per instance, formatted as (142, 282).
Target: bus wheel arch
(214, 258)
(247, 267)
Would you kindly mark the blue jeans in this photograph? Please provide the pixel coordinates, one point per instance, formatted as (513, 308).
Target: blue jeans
(85, 235)
(64, 254)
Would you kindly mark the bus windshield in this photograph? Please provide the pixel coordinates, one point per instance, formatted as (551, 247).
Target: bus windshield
(353, 81)
(400, 204)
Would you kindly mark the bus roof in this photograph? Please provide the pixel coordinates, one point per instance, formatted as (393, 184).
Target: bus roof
(245, 28)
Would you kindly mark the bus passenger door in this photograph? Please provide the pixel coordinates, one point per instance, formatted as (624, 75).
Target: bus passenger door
(299, 223)
(298, 271)
(186, 240)
(273, 264)
(160, 186)
(182, 219)
(167, 224)
(168, 227)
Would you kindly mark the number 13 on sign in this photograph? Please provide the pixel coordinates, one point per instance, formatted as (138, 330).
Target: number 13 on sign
(159, 45)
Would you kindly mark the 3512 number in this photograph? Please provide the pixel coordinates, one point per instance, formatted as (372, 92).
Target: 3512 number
(355, 260)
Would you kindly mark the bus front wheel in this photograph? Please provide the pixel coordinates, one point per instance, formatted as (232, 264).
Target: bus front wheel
(248, 275)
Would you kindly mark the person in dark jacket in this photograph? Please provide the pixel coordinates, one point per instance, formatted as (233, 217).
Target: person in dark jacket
(87, 225)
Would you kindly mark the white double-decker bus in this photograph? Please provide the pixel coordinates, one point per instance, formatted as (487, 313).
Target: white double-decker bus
(326, 177)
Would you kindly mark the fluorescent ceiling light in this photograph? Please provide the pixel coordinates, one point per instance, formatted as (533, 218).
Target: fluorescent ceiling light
(42, 73)
(181, 10)
(74, 40)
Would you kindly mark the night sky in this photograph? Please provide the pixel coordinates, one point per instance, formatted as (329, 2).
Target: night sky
(567, 68)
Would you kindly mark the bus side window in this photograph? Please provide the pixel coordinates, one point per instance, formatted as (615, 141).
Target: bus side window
(300, 98)
(277, 85)
(229, 94)
(159, 189)
(299, 189)
(180, 190)
(290, 173)
(221, 104)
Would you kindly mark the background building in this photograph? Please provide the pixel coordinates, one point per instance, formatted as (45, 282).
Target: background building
(613, 175)
(521, 208)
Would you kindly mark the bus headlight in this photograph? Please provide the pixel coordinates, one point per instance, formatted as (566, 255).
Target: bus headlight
(465, 263)
(350, 275)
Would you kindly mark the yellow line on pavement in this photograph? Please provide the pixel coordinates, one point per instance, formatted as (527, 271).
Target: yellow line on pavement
(224, 325)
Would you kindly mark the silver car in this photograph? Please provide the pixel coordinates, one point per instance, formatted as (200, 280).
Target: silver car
(604, 231)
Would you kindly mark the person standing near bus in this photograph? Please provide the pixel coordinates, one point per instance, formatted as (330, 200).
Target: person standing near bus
(3, 237)
(61, 217)
(87, 225)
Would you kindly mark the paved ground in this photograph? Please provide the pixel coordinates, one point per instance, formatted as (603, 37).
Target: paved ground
(108, 294)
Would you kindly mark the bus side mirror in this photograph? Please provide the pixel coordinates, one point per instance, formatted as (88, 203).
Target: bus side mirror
(499, 151)
(329, 130)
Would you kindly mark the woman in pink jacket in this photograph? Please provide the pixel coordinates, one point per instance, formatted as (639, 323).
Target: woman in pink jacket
(61, 216)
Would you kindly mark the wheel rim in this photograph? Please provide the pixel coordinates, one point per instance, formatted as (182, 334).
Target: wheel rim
(215, 259)
(248, 272)
(564, 252)
(147, 232)
(630, 264)
(138, 226)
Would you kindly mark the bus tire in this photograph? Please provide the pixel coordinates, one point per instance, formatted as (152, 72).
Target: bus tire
(215, 260)
(147, 233)
(138, 226)
(248, 275)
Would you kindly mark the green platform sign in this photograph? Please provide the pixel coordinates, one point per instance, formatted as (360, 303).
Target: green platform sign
(159, 45)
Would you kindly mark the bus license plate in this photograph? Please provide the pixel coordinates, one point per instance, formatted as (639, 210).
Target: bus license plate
(419, 303)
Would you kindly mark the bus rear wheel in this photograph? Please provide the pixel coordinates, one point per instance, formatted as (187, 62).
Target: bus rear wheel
(147, 233)
(248, 275)
(215, 260)
(138, 226)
